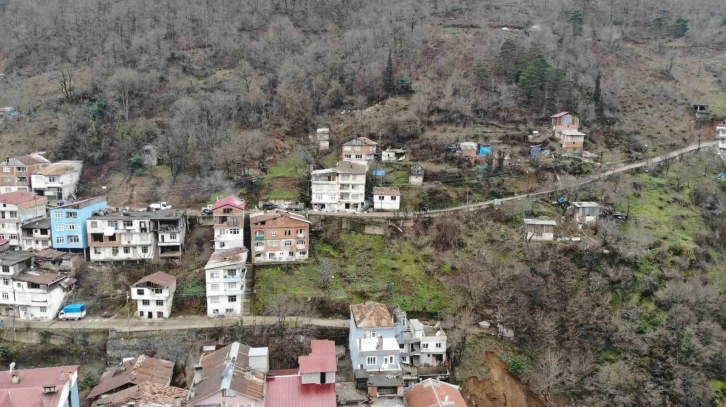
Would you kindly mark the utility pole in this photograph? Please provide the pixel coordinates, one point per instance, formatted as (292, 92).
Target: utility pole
(128, 315)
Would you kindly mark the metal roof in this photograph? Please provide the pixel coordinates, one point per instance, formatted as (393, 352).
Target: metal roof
(540, 222)
(388, 191)
(560, 114)
(371, 315)
(233, 201)
(288, 390)
(322, 358)
(159, 278)
(226, 258)
(571, 133)
(60, 168)
(585, 204)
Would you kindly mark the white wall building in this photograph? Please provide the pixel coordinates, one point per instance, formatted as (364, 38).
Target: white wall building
(539, 230)
(58, 181)
(226, 273)
(322, 137)
(339, 188)
(36, 235)
(154, 295)
(229, 223)
(721, 135)
(16, 209)
(386, 199)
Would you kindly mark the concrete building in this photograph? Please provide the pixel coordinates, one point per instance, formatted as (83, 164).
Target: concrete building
(17, 209)
(132, 372)
(279, 236)
(47, 387)
(360, 150)
(16, 171)
(393, 154)
(225, 275)
(572, 140)
(234, 375)
(416, 175)
(229, 223)
(311, 385)
(564, 121)
(68, 222)
(386, 199)
(586, 212)
(154, 295)
(423, 345)
(322, 136)
(36, 235)
(12, 263)
(721, 135)
(339, 188)
(539, 230)
(57, 181)
(136, 236)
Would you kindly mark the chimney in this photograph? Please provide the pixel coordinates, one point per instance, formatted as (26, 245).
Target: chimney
(15, 378)
(177, 401)
(197, 374)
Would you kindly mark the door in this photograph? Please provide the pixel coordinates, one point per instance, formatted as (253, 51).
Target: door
(159, 314)
(322, 377)
(150, 315)
(162, 238)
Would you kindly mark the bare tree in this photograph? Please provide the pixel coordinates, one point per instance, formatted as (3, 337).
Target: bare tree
(124, 83)
(66, 82)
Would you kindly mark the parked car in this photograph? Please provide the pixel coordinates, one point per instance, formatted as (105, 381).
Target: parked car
(72, 312)
(160, 205)
(267, 206)
(207, 210)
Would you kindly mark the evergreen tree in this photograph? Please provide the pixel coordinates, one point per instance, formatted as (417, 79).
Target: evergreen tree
(578, 20)
(509, 59)
(389, 83)
(480, 73)
(679, 27)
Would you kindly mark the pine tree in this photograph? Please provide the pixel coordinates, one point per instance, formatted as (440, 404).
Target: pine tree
(578, 20)
(389, 83)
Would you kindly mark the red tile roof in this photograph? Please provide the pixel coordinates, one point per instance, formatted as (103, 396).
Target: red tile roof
(371, 315)
(560, 114)
(4, 241)
(286, 391)
(19, 197)
(158, 278)
(28, 392)
(230, 201)
(387, 191)
(321, 359)
(434, 393)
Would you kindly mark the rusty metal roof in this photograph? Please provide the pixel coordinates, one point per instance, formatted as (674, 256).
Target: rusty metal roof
(371, 315)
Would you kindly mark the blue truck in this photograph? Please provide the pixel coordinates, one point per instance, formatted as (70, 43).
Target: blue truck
(72, 312)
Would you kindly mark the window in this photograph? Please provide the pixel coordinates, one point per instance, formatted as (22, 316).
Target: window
(287, 243)
(72, 226)
(393, 198)
(371, 360)
(96, 250)
(158, 290)
(359, 156)
(214, 300)
(13, 214)
(229, 310)
(74, 239)
(231, 298)
(404, 359)
(6, 169)
(6, 281)
(438, 345)
(303, 253)
(231, 286)
(400, 345)
(387, 360)
(127, 250)
(227, 211)
(60, 240)
(6, 269)
(73, 215)
(273, 233)
(19, 285)
(128, 223)
(172, 236)
(6, 296)
(94, 224)
(145, 249)
(60, 227)
(273, 243)
(345, 177)
(347, 156)
(160, 315)
(380, 197)
(318, 197)
(300, 242)
(214, 274)
(43, 310)
(230, 273)
(425, 345)
(114, 251)
(57, 214)
(145, 302)
(259, 233)
(301, 232)
(234, 231)
(159, 303)
(288, 232)
(140, 291)
(214, 287)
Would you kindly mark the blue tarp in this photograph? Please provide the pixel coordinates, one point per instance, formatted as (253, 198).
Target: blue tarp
(74, 308)
(722, 175)
(485, 150)
(535, 151)
(378, 173)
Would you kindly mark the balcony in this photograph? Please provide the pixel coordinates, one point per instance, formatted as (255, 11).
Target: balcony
(260, 238)
(232, 279)
(259, 248)
(301, 246)
(301, 235)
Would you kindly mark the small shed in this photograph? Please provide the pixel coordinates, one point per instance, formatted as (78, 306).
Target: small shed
(564, 121)
(150, 155)
(416, 175)
(572, 139)
(587, 212)
(721, 135)
(539, 230)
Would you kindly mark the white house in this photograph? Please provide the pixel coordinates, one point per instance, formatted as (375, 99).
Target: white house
(229, 223)
(58, 181)
(587, 212)
(322, 137)
(721, 135)
(339, 188)
(226, 273)
(539, 230)
(17, 209)
(154, 295)
(386, 199)
(393, 154)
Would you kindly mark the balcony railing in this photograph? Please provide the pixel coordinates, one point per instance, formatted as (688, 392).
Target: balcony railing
(260, 238)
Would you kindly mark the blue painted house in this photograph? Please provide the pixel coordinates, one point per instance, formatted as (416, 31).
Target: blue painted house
(68, 223)
(372, 341)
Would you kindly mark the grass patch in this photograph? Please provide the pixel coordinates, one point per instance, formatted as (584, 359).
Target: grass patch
(290, 166)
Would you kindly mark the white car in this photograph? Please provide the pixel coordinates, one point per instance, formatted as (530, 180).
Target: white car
(160, 205)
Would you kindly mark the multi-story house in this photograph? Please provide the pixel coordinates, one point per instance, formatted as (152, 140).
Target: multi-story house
(339, 188)
(16, 171)
(36, 235)
(311, 385)
(279, 236)
(136, 236)
(154, 295)
(57, 181)
(11, 265)
(229, 223)
(225, 274)
(48, 387)
(721, 135)
(234, 375)
(361, 150)
(39, 294)
(17, 209)
(421, 345)
(68, 223)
